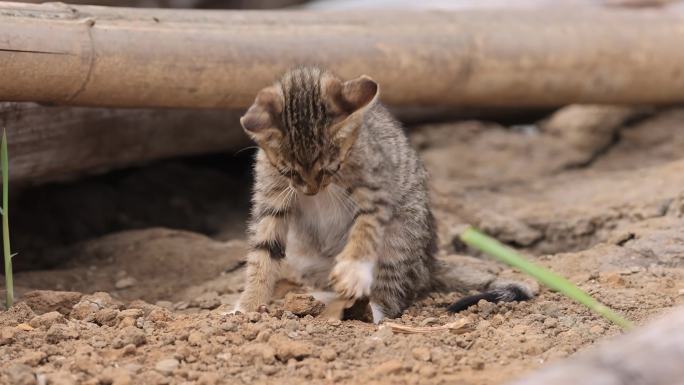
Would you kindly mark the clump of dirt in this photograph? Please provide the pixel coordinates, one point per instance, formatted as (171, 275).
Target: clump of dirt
(151, 305)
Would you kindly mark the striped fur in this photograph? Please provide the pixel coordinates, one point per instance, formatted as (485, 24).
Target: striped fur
(340, 199)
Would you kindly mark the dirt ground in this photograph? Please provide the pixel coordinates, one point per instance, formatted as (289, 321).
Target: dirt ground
(126, 278)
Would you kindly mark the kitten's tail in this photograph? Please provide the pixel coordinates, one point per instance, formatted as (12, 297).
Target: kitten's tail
(502, 293)
(457, 273)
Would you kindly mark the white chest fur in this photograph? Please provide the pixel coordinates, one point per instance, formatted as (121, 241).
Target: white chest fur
(326, 216)
(316, 234)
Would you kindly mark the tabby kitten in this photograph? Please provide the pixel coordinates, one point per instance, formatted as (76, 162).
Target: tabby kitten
(340, 200)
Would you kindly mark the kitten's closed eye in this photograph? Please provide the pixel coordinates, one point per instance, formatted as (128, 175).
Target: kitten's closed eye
(284, 171)
(329, 171)
(297, 177)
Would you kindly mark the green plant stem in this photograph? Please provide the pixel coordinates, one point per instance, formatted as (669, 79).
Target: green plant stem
(491, 246)
(4, 160)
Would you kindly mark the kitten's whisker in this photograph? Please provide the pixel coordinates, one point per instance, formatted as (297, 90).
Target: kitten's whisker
(343, 206)
(333, 199)
(348, 208)
(288, 197)
(292, 195)
(244, 149)
(338, 199)
(279, 200)
(347, 200)
(338, 208)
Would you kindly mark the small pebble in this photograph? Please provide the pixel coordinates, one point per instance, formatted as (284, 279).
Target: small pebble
(125, 283)
(550, 323)
(196, 338)
(328, 354)
(132, 313)
(498, 320)
(288, 315)
(7, 335)
(264, 335)
(269, 370)
(46, 320)
(427, 371)
(291, 325)
(383, 334)
(129, 350)
(303, 304)
(33, 358)
(167, 366)
(421, 354)
(477, 364)
(130, 335)
(229, 326)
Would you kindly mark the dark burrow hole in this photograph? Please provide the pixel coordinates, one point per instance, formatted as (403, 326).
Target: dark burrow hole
(205, 194)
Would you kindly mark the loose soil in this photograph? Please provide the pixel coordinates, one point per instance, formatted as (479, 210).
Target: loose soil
(127, 278)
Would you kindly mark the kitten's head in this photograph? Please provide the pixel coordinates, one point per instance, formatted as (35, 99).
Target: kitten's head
(308, 122)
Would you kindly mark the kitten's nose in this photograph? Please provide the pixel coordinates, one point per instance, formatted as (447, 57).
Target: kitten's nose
(310, 190)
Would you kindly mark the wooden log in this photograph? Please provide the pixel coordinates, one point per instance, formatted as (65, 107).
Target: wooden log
(99, 56)
(652, 355)
(54, 143)
(488, 4)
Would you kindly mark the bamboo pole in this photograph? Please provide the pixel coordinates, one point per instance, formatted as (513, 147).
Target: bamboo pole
(99, 56)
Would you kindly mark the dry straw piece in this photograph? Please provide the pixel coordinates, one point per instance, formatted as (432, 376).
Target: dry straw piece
(458, 327)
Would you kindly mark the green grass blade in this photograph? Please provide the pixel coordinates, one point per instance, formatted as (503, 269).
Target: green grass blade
(4, 164)
(491, 246)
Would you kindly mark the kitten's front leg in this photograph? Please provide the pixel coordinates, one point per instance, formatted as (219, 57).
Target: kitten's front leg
(352, 275)
(267, 249)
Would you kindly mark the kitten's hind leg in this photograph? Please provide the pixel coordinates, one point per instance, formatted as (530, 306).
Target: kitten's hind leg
(378, 314)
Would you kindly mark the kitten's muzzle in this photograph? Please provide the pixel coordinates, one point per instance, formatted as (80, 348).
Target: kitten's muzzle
(310, 190)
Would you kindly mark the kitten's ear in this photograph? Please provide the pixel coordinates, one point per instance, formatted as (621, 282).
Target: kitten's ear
(259, 122)
(359, 93)
(352, 98)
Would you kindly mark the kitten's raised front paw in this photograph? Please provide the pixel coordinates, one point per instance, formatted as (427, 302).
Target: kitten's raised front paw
(352, 279)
